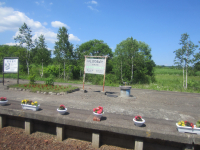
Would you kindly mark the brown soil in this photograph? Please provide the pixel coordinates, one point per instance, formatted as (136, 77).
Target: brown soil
(12, 138)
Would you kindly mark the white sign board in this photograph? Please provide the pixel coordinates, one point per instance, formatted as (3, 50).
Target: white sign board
(95, 66)
(10, 65)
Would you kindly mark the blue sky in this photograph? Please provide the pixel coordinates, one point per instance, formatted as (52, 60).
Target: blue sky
(158, 23)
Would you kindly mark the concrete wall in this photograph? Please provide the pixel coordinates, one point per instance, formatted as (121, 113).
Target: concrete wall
(104, 137)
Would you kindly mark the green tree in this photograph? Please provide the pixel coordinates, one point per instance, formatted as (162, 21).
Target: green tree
(63, 48)
(132, 61)
(25, 40)
(183, 55)
(40, 54)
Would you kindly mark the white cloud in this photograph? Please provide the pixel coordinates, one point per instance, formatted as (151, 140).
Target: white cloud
(57, 24)
(45, 23)
(92, 8)
(2, 3)
(92, 2)
(37, 3)
(11, 44)
(73, 38)
(11, 20)
(50, 3)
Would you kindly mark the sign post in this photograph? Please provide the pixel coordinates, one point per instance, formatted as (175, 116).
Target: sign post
(95, 66)
(11, 65)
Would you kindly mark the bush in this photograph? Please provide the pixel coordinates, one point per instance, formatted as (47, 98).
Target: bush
(49, 81)
(32, 79)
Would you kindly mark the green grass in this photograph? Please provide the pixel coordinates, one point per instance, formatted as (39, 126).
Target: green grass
(45, 88)
(168, 71)
(166, 80)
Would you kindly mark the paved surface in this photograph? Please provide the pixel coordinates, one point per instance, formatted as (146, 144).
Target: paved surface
(160, 109)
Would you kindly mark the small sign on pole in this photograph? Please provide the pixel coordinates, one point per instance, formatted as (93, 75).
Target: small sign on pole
(11, 65)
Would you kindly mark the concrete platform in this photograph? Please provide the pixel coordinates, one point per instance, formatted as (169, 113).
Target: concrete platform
(161, 110)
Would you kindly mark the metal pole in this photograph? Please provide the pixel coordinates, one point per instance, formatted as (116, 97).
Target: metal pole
(64, 70)
(18, 72)
(3, 78)
(104, 74)
(84, 74)
(3, 71)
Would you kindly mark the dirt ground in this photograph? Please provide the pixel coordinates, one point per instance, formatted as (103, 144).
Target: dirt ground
(12, 138)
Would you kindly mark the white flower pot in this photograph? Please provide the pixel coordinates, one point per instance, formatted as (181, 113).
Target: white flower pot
(2, 103)
(98, 115)
(184, 129)
(138, 123)
(62, 112)
(196, 130)
(31, 107)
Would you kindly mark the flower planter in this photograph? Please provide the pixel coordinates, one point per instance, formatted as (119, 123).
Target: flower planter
(138, 123)
(62, 112)
(2, 103)
(31, 107)
(98, 115)
(196, 130)
(184, 129)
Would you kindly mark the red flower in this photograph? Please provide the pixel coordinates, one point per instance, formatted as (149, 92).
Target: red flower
(99, 111)
(100, 107)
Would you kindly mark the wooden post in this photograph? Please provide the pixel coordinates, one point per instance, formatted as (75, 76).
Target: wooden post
(104, 74)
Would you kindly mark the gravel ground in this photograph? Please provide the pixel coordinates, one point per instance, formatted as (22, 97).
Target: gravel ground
(12, 138)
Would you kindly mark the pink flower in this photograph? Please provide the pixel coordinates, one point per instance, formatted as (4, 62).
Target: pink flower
(99, 111)
(100, 107)
(94, 110)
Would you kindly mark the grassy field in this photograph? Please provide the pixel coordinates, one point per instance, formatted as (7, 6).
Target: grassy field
(166, 80)
(171, 80)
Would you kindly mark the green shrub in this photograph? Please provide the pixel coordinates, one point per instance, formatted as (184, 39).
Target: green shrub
(49, 81)
(32, 79)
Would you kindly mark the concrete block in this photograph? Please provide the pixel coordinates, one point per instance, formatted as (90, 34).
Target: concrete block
(28, 126)
(95, 140)
(2, 121)
(58, 93)
(138, 144)
(38, 91)
(60, 132)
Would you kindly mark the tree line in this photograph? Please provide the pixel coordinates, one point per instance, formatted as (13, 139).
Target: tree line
(130, 62)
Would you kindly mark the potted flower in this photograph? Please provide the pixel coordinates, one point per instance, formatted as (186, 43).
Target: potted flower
(98, 113)
(138, 121)
(62, 109)
(29, 104)
(185, 126)
(196, 128)
(3, 101)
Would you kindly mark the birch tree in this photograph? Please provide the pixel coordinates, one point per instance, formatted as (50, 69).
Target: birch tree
(25, 40)
(184, 54)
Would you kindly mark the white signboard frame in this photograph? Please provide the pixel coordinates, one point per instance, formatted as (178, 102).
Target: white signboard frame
(95, 66)
(11, 65)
